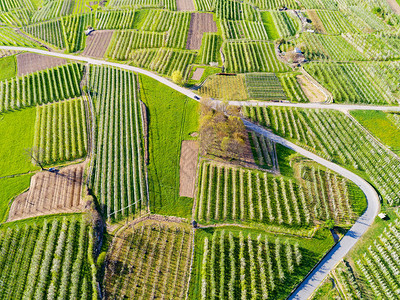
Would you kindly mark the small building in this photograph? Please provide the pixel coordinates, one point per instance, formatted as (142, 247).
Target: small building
(382, 216)
(297, 50)
(89, 30)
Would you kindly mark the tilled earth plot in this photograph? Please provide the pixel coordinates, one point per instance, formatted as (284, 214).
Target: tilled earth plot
(185, 5)
(97, 43)
(50, 193)
(188, 168)
(199, 23)
(32, 62)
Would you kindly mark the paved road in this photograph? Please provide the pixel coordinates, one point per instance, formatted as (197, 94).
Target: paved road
(311, 282)
(328, 263)
(191, 94)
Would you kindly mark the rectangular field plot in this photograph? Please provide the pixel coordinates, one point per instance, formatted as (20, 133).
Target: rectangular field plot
(238, 264)
(210, 47)
(243, 57)
(74, 29)
(164, 61)
(48, 260)
(264, 87)
(124, 42)
(274, 4)
(51, 32)
(115, 19)
(51, 10)
(356, 83)
(220, 87)
(9, 37)
(329, 47)
(129, 4)
(41, 87)
(242, 29)
(149, 261)
(50, 193)
(184, 5)
(60, 131)
(199, 24)
(32, 62)
(335, 22)
(118, 150)
(229, 194)
(97, 43)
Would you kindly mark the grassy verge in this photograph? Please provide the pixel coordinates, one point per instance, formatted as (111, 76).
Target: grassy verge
(16, 132)
(380, 126)
(327, 290)
(8, 67)
(172, 118)
(9, 188)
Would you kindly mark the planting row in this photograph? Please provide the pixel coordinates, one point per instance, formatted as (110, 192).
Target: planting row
(118, 177)
(151, 261)
(51, 32)
(210, 48)
(252, 57)
(60, 131)
(241, 266)
(163, 61)
(123, 43)
(336, 137)
(352, 82)
(228, 194)
(129, 4)
(242, 29)
(115, 19)
(41, 87)
(53, 260)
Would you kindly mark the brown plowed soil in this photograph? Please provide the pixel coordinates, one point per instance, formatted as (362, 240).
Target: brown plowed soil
(312, 92)
(50, 193)
(97, 43)
(188, 168)
(198, 73)
(185, 5)
(394, 6)
(32, 62)
(199, 23)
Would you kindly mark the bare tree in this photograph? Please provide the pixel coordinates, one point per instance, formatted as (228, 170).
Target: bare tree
(36, 155)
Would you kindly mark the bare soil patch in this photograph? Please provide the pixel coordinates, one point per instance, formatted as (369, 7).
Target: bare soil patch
(50, 193)
(394, 6)
(199, 23)
(188, 168)
(313, 93)
(185, 5)
(32, 62)
(316, 21)
(198, 73)
(97, 43)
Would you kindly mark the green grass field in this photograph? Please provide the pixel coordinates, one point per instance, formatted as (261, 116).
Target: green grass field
(172, 117)
(9, 188)
(380, 126)
(269, 25)
(16, 132)
(8, 67)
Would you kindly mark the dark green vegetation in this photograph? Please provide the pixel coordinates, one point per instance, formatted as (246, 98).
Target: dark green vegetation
(9, 188)
(16, 132)
(173, 117)
(8, 67)
(380, 126)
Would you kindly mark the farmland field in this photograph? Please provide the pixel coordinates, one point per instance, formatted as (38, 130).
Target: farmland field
(145, 149)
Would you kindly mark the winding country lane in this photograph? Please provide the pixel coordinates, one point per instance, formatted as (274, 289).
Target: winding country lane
(193, 95)
(333, 257)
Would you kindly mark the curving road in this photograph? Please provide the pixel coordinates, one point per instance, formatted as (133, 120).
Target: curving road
(312, 281)
(194, 96)
(333, 257)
